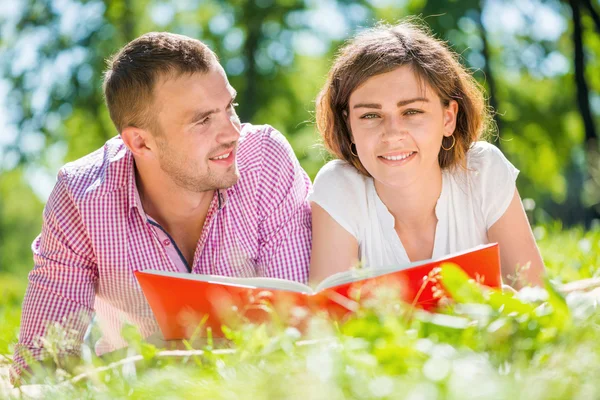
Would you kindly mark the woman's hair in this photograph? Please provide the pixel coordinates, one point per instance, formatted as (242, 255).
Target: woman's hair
(382, 49)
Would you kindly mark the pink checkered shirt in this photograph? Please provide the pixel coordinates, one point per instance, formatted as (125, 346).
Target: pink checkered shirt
(95, 235)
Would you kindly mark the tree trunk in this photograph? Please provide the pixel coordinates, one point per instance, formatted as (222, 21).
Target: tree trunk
(487, 70)
(593, 14)
(250, 102)
(576, 185)
(128, 21)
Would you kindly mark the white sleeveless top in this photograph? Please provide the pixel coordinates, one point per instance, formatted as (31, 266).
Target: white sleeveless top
(471, 202)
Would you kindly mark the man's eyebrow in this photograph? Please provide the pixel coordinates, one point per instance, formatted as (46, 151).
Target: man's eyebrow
(201, 114)
(401, 103)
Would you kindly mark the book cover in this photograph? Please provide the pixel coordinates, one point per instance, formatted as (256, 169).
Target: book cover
(186, 304)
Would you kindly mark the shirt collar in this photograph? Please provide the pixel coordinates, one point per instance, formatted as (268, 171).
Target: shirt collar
(133, 195)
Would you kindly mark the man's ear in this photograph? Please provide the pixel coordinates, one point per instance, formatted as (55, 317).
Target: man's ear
(139, 141)
(450, 113)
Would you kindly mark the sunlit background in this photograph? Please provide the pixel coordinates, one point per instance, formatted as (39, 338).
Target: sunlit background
(537, 59)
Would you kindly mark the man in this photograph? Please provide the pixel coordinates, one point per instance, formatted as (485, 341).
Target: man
(184, 187)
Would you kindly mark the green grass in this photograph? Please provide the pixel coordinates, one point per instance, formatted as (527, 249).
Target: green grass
(486, 345)
(12, 290)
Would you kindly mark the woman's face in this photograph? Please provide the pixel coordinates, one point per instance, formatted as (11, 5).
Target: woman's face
(398, 123)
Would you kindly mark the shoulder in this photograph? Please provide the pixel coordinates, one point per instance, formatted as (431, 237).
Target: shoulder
(100, 172)
(260, 143)
(342, 192)
(269, 168)
(339, 173)
(484, 156)
(338, 182)
(492, 180)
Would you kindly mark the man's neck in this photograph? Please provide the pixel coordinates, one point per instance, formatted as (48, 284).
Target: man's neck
(177, 210)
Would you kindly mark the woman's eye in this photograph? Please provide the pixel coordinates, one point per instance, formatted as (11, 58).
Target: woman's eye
(369, 116)
(413, 112)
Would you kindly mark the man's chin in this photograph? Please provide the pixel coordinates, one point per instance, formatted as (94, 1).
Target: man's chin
(229, 181)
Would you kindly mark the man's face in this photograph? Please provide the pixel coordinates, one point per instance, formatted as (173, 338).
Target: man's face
(198, 130)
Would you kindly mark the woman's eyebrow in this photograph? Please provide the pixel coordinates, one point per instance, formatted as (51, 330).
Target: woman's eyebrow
(401, 103)
(367, 105)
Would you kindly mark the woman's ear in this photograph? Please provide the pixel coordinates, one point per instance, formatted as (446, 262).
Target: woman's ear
(346, 117)
(347, 122)
(450, 113)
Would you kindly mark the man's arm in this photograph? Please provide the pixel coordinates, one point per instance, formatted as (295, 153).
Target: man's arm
(59, 300)
(284, 212)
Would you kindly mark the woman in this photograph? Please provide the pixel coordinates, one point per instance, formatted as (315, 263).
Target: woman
(411, 181)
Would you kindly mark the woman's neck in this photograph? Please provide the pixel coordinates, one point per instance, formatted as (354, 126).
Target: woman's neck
(413, 205)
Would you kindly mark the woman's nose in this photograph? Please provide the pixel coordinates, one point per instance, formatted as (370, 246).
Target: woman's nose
(394, 129)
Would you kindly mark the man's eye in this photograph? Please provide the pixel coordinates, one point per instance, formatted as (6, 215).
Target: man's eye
(413, 112)
(204, 121)
(233, 105)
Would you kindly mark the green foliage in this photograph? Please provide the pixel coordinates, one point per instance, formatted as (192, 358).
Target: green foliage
(558, 247)
(12, 289)
(535, 344)
(488, 345)
(260, 44)
(20, 222)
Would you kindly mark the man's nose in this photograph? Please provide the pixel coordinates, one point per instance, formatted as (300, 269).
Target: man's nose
(230, 132)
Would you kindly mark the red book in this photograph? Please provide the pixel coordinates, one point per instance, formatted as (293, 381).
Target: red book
(187, 304)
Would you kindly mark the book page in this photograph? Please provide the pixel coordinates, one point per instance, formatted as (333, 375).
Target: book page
(354, 275)
(265, 283)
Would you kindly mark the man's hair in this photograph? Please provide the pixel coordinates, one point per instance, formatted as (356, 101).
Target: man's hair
(133, 72)
(383, 49)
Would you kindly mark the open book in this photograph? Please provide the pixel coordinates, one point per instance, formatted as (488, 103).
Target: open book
(182, 302)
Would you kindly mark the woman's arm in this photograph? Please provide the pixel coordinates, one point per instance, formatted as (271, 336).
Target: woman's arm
(517, 246)
(334, 249)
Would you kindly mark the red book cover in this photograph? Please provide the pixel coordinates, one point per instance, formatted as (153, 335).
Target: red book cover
(187, 304)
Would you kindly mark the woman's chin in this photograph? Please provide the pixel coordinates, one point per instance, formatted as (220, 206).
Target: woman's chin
(394, 181)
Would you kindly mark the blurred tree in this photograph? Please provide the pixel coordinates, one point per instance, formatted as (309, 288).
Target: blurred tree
(53, 56)
(460, 22)
(20, 212)
(277, 54)
(556, 173)
(593, 13)
(56, 93)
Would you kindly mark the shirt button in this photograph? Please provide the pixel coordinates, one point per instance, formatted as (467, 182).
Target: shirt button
(166, 242)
